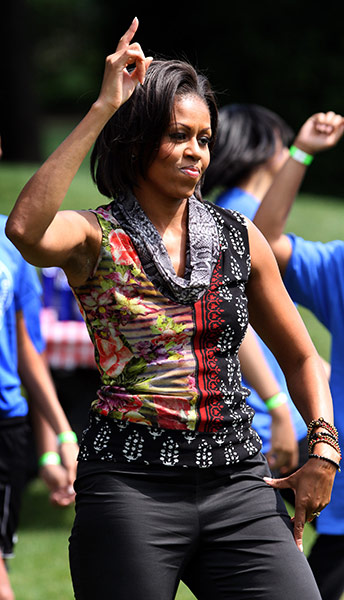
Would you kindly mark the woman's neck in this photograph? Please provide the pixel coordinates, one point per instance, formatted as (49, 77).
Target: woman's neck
(167, 215)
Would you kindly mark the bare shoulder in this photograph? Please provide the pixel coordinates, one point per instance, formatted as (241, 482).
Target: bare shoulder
(260, 249)
(88, 235)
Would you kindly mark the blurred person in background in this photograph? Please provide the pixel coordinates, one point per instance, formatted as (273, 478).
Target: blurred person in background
(22, 362)
(313, 275)
(70, 351)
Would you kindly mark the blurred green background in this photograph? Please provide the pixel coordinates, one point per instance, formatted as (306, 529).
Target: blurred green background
(285, 55)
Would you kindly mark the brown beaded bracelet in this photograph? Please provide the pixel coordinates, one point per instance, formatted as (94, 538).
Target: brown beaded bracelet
(325, 439)
(320, 422)
(329, 460)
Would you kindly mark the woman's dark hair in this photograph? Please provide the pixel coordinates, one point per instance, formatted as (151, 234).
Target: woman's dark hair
(246, 138)
(130, 140)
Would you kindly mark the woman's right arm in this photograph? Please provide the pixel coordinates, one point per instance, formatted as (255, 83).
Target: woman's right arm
(44, 236)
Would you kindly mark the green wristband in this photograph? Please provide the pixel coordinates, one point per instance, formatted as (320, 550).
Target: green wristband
(68, 437)
(300, 156)
(275, 401)
(49, 458)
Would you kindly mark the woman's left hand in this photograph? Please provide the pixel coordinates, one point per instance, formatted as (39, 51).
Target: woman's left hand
(312, 485)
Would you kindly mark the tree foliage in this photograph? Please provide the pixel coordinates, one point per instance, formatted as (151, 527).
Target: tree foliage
(284, 55)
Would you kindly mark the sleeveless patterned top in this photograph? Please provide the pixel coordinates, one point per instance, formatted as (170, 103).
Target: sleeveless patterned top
(171, 390)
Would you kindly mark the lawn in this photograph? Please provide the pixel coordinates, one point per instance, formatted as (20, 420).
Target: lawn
(40, 569)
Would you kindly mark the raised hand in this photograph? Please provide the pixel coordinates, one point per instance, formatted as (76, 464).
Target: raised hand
(118, 84)
(320, 132)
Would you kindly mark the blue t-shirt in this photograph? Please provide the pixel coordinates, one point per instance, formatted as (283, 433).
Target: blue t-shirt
(315, 279)
(241, 201)
(20, 289)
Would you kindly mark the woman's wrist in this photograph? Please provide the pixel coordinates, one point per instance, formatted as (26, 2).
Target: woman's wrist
(326, 459)
(322, 438)
(103, 111)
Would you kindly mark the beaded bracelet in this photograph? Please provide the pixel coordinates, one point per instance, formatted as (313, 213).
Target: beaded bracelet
(320, 422)
(326, 439)
(329, 460)
(67, 437)
(49, 458)
(322, 436)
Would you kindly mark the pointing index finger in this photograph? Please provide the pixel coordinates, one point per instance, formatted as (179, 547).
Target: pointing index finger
(129, 34)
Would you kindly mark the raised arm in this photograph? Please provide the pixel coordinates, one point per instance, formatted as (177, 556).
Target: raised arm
(71, 239)
(283, 453)
(277, 321)
(320, 132)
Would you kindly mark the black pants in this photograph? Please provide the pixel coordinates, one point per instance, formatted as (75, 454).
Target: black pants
(14, 436)
(224, 532)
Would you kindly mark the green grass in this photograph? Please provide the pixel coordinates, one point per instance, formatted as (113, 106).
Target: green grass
(40, 569)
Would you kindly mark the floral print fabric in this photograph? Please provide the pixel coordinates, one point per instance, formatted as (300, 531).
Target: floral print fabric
(171, 388)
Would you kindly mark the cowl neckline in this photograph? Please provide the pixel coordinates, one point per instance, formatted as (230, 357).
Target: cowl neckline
(202, 248)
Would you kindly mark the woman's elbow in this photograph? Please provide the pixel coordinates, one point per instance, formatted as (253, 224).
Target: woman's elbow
(20, 237)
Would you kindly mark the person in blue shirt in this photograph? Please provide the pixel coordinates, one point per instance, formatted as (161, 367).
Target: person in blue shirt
(313, 275)
(22, 362)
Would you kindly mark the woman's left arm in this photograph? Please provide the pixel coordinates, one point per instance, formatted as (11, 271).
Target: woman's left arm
(275, 318)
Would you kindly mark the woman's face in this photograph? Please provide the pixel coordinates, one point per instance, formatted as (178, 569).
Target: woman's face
(183, 155)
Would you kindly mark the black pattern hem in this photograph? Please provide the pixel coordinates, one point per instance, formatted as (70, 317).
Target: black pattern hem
(128, 443)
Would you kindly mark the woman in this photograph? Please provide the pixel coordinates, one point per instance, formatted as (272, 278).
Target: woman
(171, 481)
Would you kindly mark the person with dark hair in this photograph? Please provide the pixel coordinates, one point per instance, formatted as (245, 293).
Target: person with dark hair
(171, 483)
(249, 137)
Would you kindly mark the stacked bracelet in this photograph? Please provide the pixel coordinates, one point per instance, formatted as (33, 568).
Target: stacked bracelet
(324, 425)
(326, 438)
(326, 459)
(275, 401)
(49, 458)
(300, 156)
(67, 437)
(329, 436)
